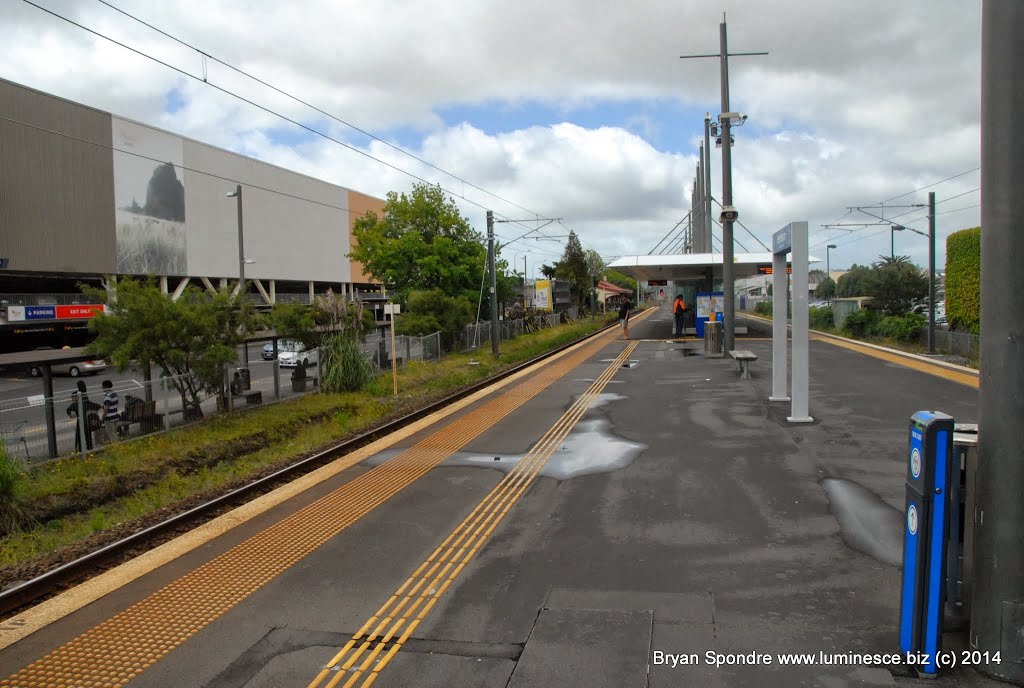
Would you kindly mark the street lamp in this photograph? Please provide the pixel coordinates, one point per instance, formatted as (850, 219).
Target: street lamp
(524, 281)
(237, 193)
(828, 268)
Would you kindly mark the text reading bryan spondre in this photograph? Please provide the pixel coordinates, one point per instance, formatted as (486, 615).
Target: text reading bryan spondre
(718, 659)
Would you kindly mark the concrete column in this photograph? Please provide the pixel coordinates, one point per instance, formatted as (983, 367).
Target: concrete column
(997, 611)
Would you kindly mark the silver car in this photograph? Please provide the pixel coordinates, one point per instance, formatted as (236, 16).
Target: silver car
(72, 369)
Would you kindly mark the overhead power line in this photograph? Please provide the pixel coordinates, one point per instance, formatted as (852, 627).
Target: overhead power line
(311, 106)
(258, 106)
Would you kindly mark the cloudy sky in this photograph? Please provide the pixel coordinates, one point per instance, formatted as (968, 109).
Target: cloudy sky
(576, 109)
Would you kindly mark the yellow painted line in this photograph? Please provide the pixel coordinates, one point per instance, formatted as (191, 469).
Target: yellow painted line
(969, 379)
(125, 645)
(948, 371)
(459, 547)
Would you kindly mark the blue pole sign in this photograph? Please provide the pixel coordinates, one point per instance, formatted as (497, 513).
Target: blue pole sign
(922, 596)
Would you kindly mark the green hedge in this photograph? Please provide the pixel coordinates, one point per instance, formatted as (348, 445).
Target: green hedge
(963, 279)
(867, 323)
(821, 318)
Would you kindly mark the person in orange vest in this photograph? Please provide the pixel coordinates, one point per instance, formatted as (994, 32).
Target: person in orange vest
(679, 311)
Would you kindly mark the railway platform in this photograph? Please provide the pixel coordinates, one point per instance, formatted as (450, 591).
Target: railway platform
(624, 514)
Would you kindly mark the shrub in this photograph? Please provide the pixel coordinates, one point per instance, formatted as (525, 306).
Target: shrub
(903, 328)
(963, 279)
(763, 308)
(345, 368)
(821, 318)
(11, 475)
(862, 323)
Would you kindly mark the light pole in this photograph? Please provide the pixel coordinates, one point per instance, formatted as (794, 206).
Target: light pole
(828, 264)
(237, 193)
(892, 238)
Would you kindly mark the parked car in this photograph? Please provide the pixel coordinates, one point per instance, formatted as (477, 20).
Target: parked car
(268, 351)
(291, 354)
(72, 369)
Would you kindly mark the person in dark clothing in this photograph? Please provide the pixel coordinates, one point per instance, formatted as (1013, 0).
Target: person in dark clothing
(679, 312)
(88, 421)
(624, 312)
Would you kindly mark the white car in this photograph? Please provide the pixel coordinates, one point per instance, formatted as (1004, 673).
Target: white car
(291, 354)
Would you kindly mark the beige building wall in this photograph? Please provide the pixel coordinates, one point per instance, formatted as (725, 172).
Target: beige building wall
(358, 205)
(56, 184)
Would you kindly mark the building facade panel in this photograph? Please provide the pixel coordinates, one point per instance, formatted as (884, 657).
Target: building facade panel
(294, 227)
(56, 184)
(360, 204)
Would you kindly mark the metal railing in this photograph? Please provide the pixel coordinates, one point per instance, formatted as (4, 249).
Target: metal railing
(963, 344)
(43, 300)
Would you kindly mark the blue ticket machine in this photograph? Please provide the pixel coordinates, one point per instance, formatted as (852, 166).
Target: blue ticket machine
(926, 526)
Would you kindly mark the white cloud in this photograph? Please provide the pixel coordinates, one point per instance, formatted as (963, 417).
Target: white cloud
(856, 102)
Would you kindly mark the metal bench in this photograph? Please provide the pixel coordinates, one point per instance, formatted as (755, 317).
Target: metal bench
(743, 358)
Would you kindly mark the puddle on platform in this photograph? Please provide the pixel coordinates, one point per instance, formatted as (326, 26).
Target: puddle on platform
(590, 448)
(868, 524)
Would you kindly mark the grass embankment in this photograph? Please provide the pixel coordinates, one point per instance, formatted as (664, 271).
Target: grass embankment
(113, 492)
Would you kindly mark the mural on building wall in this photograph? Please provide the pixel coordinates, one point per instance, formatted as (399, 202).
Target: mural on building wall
(149, 197)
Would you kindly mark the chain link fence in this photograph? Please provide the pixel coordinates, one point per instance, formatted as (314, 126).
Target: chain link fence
(962, 344)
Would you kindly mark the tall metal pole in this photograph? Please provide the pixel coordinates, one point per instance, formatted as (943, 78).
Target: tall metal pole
(727, 245)
(699, 210)
(241, 270)
(892, 241)
(708, 227)
(997, 611)
(693, 225)
(931, 272)
(494, 283)
(524, 286)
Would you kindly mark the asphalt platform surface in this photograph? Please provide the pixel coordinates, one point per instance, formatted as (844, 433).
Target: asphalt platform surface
(682, 516)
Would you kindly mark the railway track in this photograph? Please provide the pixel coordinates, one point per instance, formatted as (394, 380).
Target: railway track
(26, 593)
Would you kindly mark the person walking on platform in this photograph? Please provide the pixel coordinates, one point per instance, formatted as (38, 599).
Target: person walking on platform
(679, 311)
(624, 312)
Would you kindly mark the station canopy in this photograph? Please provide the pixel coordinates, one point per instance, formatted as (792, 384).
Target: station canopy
(693, 267)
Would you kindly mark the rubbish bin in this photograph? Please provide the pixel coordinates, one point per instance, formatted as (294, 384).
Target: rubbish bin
(246, 378)
(713, 339)
(960, 555)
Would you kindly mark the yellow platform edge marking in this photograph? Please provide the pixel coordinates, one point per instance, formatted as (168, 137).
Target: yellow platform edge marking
(182, 613)
(38, 617)
(943, 369)
(487, 514)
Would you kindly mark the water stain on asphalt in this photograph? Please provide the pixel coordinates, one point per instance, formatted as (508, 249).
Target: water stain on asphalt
(590, 448)
(867, 523)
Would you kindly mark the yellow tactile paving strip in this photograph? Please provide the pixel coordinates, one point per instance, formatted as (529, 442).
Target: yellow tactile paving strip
(122, 647)
(969, 378)
(393, 624)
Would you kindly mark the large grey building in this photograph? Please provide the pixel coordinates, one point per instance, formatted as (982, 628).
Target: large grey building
(85, 194)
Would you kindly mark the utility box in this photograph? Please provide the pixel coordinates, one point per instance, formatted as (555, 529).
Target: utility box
(925, 542)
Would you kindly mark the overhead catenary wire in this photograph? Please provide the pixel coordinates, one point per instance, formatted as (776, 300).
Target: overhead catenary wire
(311, 106)
(254, 104)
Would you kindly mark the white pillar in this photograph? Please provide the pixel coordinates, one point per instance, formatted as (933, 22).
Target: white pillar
(801, 317)
(780, 364)
(273, 291)
(312, 293)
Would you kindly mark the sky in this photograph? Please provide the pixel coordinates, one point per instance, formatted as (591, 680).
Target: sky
(580, 110)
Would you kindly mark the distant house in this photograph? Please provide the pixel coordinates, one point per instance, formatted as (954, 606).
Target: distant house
(609, 294)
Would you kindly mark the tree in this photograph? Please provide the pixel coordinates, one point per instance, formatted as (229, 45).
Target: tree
(192, 340)
(313, 326)
(620, 280)
(548, 271)
(421, 243)
(894, 283)
(573, 268)
(826, 289)
(852, 283)
(436, 311)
